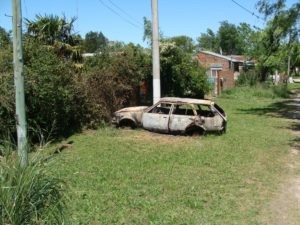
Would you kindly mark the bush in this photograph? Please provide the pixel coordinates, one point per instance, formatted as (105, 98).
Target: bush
(259, 91)
(181, 75)
(29, 195)
(281, 91)
(249, 78)
(7, 106)
(53, 99)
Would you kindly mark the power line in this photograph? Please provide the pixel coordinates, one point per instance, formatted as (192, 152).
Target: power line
(115, 12)
(125, 13)
(247, 10)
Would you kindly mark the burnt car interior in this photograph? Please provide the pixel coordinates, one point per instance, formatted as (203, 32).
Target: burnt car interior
(183, 109)
(162, 108)
(204, 110)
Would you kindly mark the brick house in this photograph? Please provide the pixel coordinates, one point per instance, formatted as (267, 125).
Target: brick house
(222, 70)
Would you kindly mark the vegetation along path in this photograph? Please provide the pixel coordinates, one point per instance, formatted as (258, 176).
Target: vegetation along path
(285, 207)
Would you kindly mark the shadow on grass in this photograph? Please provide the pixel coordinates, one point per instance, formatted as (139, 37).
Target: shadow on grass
(288, 109)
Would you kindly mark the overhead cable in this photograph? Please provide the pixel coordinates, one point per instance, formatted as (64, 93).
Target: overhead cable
(247, 10)
(125, 13)
(116, 13)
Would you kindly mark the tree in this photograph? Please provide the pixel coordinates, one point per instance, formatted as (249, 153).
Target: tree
(184, 42)
(94, 41)
(208, 41)
(180, 73)
(248, 38)
(148, 31)
(55, 32)
(4, 38)
(281, 37)
(228, 38)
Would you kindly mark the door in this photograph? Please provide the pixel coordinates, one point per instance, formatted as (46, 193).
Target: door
(157, 119)
(216, 77)
(182, 116)
(212, 119)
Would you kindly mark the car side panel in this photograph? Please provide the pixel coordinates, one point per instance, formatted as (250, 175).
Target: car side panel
(155, 122)
(213, 123)
(179, 123)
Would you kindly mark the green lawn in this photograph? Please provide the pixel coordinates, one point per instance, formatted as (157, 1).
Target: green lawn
(137, 177)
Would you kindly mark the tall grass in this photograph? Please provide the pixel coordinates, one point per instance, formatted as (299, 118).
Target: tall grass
(257, 91)
(29, 195)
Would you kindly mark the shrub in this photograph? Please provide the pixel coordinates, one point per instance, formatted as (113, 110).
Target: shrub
(258, 91)
(110, 82)
(249, 78)
(7, 99)
(53, 99)
(29, 195)
(181, 75)
(281, 91)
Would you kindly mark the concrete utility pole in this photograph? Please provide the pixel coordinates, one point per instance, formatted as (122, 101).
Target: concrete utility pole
(19, 83)
(155, 53)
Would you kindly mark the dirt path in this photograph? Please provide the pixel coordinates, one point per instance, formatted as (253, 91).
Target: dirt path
(284, 209)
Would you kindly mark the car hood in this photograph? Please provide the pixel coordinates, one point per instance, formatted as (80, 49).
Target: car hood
(132, 109)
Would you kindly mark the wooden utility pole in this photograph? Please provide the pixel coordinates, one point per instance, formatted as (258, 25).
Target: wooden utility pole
(155, 53)
(19, 83)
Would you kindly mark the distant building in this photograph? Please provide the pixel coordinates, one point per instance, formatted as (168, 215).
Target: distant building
(222, 70)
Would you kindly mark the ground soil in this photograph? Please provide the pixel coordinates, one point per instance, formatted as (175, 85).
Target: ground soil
(284, 208)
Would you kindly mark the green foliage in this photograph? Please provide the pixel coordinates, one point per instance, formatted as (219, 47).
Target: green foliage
(249, 78)
(281, 91)
(56, 32)
(7, 98)
(148, 31)
(30, 195)
(4, 38)
(180, 74)
(111, 81)
(208, 41)
(184, 42)
(280, 39)
(94, 42)
(229, 40)
(53, 99)
(259, 91)
(137, 177)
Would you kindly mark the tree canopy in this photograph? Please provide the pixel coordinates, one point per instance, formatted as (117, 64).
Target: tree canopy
(95, 41)
(56, 32)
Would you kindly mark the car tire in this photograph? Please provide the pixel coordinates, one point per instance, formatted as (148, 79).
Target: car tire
(127, 123)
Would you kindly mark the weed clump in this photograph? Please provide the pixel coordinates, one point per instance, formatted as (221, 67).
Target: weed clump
(29, 195)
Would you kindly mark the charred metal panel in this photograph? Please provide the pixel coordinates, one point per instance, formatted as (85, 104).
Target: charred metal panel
(156, 122)
(179, 123)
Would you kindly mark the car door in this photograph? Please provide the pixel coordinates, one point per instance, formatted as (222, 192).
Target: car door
(212, 120)
(157, 119)
(181, 117)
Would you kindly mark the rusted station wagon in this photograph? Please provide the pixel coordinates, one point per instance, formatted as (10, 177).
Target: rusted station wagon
(174, 115)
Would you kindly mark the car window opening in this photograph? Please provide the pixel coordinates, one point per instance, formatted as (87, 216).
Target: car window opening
(183, 109)
(162, 108)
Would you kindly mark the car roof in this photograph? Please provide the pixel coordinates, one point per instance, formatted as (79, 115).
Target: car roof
(186, 100)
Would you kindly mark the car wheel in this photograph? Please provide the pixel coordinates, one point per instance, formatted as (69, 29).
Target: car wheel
(127, 123)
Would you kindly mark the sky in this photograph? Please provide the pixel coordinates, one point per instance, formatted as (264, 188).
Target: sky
(122, 20)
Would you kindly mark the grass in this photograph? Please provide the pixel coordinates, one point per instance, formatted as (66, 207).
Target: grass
(29, 195)
(137, 177)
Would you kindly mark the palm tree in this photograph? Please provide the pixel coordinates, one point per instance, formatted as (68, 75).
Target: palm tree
(55, 32)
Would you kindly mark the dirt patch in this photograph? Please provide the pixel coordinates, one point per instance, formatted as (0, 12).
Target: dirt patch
(284, 208)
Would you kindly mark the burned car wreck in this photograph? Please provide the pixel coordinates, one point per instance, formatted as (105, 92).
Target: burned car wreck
(174, 115)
